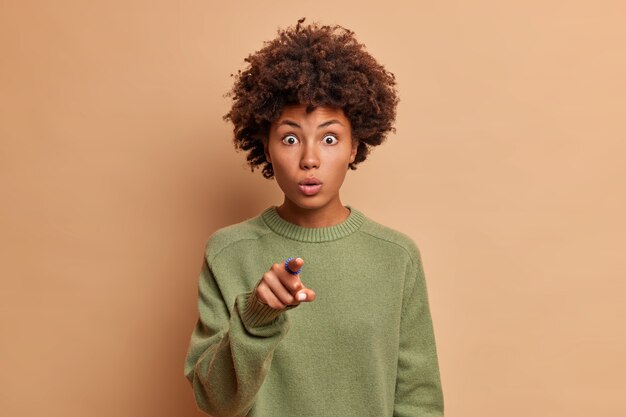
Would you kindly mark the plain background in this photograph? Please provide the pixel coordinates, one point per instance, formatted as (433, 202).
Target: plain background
(507, 169)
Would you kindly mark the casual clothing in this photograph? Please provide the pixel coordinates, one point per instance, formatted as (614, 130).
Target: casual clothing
(364, 347)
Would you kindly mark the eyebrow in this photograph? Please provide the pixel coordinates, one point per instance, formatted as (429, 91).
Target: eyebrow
(294, 124)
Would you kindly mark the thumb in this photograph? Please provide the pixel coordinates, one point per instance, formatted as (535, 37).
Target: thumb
(305, 294)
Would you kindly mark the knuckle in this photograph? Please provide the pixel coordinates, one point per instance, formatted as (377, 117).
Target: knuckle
(260, 295)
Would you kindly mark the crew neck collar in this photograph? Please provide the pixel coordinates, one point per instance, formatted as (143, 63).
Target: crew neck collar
(312, 234)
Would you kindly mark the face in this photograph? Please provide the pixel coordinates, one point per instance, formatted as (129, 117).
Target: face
(310, 153)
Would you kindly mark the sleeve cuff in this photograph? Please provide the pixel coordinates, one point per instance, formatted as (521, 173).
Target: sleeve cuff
(258, 314)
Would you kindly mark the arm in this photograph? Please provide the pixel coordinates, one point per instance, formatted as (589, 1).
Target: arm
(231, 351)
(418, 386)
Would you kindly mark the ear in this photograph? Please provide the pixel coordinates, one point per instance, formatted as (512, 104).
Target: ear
(355, 145)
(266, 151)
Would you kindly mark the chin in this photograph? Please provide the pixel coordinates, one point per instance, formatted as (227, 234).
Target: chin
(308, 203)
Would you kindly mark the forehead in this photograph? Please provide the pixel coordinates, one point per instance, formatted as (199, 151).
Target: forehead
(319, 115)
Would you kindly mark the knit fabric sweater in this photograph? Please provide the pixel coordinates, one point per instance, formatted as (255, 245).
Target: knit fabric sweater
(364, 347)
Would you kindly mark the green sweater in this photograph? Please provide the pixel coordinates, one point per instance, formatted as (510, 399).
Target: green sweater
(364, 347)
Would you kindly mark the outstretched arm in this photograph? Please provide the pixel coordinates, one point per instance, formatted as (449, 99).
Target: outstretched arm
(231, 352)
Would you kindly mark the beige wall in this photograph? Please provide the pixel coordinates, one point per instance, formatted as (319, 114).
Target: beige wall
(507, 169)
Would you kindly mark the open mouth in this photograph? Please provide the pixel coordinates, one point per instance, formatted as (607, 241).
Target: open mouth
(310, 186)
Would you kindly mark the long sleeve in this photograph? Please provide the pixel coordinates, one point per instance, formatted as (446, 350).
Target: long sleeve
(231, 350)
(418, 386)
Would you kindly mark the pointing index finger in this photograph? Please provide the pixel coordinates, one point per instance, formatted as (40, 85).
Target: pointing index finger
(294, 265)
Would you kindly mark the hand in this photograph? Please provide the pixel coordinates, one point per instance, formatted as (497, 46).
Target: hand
(279, 289)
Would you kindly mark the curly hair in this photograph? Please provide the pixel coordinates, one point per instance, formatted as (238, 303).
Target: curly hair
(315, 66)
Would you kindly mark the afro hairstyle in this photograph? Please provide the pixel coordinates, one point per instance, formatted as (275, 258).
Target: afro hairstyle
(316, 66)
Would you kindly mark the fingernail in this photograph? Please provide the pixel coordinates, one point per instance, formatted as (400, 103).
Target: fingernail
(301, 296)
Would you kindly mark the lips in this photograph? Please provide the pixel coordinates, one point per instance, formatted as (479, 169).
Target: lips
(310, 186)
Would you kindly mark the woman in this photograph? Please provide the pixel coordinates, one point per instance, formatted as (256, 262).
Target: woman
(311, 308)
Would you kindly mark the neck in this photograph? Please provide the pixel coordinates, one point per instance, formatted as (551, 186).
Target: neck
(329, 215)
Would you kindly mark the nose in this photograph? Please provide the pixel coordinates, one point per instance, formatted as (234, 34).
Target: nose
(310, 158)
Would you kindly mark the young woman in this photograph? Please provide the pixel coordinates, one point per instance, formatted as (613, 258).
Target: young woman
(311, 308)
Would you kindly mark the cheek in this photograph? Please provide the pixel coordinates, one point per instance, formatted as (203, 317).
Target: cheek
(283, 160)
(284, 167)
(340, 157)
(339, 168)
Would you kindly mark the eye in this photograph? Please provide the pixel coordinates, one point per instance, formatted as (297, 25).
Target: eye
(330, 139)
(290, 140)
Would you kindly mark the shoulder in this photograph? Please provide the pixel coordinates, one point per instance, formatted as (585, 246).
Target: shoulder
(227, 237)
(390, 237)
